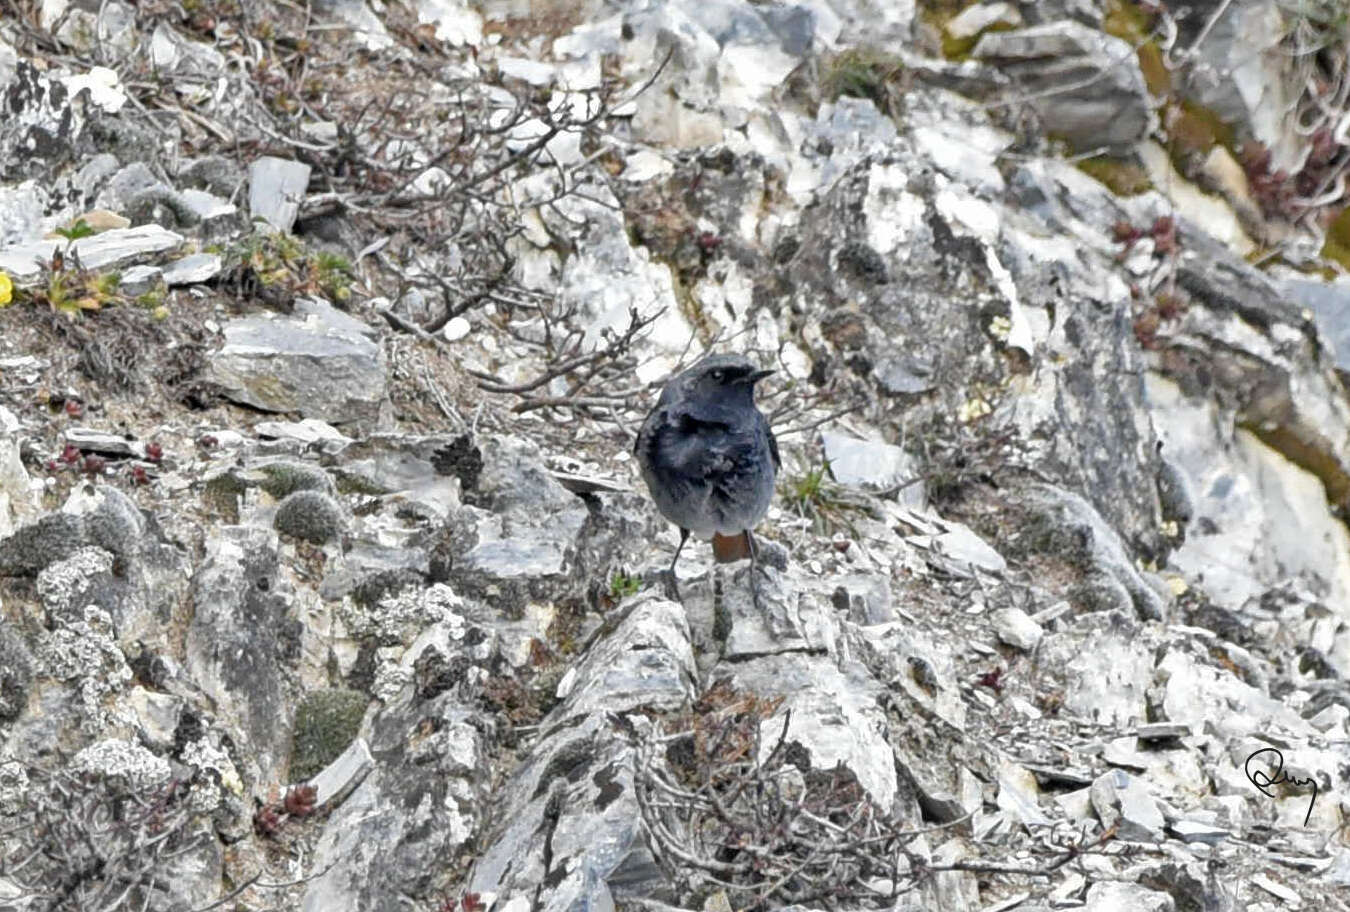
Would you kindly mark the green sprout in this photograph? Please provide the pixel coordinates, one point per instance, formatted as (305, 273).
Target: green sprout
(621, 586)
(80, 229)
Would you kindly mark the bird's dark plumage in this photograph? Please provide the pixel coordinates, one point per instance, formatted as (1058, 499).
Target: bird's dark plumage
(706, 452)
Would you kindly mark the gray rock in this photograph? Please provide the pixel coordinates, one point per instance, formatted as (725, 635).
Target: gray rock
(112, 521)
(54, 537)
(1018, 795)
(1104, 665)
(199, 267)
(899, 375)
(21, 211)
(94, 175)
(1064, 524)
(572, 819)
(42, 127)
(157, 715)
(864, 598)
(137, 280)
(1015, 628)
(1123, 801)
(16, 672)
(1162, 731)
(92, 440)
(308, 431)
(976, 18)
(1330, 304)
(213, 216)
(338, 779)
(865, 463)
(216, 174)
(426, 795)
(128, 184)
(173, 53)
(107, 250)
(366, 26)
(1117, 896)
(240, 642)
(1085, 85)
(532, 543)
(1196, 831)
(276, 187)
(311, 515)
(1258, 91)
(313, 366)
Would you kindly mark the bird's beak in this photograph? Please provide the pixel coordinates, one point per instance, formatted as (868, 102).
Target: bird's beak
(756, 376)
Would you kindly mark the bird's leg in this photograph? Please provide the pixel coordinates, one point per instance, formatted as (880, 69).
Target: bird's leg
(754, 580)
(674, 581)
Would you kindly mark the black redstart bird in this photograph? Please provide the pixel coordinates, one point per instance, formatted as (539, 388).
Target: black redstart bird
(709, 458)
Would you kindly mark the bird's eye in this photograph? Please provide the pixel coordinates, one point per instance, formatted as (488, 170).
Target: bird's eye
(719, 375)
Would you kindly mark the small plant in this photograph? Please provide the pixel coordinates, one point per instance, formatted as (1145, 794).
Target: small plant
(80, 229)
(862, 73)
(817, 497)
(6, 289)
(281, 267)
(71, 289)
(621, 586)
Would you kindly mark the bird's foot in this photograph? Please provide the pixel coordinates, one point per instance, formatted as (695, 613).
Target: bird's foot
(670, 585)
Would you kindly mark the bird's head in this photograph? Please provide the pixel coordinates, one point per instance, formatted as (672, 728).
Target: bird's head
(724, 379)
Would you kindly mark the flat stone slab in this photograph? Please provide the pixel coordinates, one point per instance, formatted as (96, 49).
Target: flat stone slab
(315, 366)
(109, 250)
(200, 267)
(276, 187)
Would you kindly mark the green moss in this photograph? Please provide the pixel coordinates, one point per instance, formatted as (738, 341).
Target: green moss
(1192, 133)
(359, 485)
(221, 496)
(621, 585)
(1126, 21)
(282, 478)
(1336, 248)
(1124, 178)
(862, 73)
(325, 723)
(1156, 75)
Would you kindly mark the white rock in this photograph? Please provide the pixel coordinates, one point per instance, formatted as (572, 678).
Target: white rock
(974, 19)
(276, 187)
(534, 72)
(104, 85)
(457, 328)
(1016, 628)
(865, 463)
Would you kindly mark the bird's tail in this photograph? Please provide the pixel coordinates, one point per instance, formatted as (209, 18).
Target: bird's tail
(729, 548)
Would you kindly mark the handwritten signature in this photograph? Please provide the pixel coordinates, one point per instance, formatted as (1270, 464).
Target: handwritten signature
(1263, 780)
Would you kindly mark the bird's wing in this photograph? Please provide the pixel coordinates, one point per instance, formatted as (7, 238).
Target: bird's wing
(697, 446)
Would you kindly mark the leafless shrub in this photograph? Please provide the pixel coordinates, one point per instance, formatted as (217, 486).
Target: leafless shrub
(721, 814)
(770, 833)
(592, 377)
(78, 841)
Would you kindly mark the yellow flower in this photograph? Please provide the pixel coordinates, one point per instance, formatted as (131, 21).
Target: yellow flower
(6, 290)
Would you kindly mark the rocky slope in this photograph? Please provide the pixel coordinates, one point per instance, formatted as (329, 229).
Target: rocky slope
(326, 578)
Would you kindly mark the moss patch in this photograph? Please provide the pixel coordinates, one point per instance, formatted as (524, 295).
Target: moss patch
(1192, 133)
(1129, 22)
(1336, 248)
(325, 723)
(1124, 178)
(862, 73)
